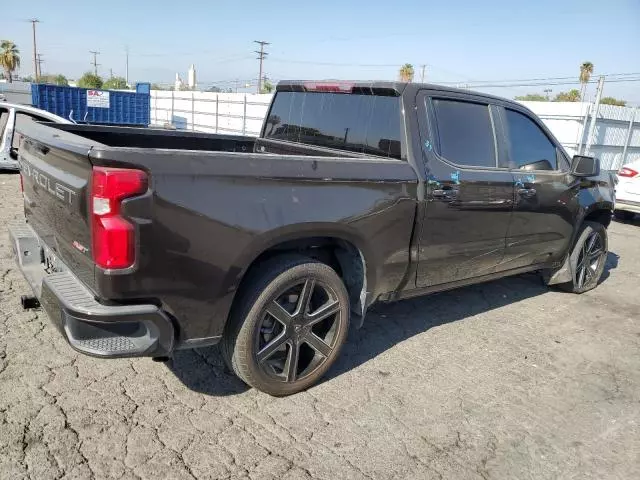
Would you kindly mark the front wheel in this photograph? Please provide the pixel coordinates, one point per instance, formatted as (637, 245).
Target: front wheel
(588, 258)
(290, 324)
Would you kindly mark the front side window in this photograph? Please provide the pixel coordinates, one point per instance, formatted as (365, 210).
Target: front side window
(367, 124)
(465, 133)
(531, 149)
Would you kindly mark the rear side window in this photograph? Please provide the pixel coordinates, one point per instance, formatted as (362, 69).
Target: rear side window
(531, 149)
(465, 133)
(359, 123)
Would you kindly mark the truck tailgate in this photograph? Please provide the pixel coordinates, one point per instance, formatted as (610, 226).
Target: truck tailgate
(56, 179)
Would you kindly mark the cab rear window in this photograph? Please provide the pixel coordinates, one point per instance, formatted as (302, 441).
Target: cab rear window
(368, 124)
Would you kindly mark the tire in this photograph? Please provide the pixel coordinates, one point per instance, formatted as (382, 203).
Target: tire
(586, 277)
(624, 215)
(270, 312)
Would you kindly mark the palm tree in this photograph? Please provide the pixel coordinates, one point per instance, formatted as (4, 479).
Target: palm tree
(586, 69)
(9, 58)
(406, 73)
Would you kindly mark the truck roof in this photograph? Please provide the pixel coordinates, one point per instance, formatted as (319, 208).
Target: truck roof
(398, 88)
(18, 107)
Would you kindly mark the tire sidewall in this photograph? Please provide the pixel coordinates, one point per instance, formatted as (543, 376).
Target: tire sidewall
(587, 229)
(243, 358)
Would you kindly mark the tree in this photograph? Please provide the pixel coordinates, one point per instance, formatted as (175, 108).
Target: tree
(9, 58)
(115, 83)
(90, 80)
(61, 80)
(532, 97)
(28, 79)
(586, 69)
(155, 86)
(570, 96)
(267, 87)
(53, 79)
(613, 101)
(406, 73)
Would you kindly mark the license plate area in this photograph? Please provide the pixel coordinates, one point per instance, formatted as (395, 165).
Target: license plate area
(50, 261)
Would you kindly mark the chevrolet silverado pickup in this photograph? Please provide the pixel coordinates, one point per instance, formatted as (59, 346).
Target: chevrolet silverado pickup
(140, 242)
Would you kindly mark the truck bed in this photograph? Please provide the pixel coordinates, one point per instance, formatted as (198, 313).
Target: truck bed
(115, 136)
(210, 210)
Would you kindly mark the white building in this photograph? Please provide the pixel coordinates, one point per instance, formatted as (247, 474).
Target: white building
(178, 82)
(191, 77)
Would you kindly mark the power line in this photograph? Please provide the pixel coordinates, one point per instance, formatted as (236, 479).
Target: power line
(261, 56)
(543, 79)
(544, 84)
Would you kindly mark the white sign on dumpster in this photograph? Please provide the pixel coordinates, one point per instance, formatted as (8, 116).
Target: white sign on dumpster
(97, 98)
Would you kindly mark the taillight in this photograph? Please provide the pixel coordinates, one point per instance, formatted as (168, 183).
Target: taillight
(113, 237)
(334, 87)
(627, 172)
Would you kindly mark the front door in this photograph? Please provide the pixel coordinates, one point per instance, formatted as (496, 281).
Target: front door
(545, 194)
(469, 193)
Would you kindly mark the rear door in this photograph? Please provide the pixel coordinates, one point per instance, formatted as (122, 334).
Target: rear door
(469, 195)
(543, 217)
(56, 179)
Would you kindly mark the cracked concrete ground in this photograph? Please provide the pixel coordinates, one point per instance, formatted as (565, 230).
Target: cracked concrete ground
(503, 380)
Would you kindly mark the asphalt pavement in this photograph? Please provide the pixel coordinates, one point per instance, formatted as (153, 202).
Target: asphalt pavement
(505, 380)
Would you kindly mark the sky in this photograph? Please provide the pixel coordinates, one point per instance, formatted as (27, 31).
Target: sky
(464, 41)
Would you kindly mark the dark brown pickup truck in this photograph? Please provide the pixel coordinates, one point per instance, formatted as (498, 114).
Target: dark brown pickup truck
(138, 242)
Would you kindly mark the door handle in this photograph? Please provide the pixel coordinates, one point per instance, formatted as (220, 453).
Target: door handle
(526, 192)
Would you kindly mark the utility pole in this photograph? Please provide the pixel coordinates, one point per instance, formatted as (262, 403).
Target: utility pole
(95, 61)
(111, 73)
(629, 132)
(594, 116)
(35, 48)
(126, 67)
(40, 62)
(422, 76)
(261, 56)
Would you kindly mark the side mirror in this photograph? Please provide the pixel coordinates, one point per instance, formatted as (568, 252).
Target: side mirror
(13, 153)
(582, 166)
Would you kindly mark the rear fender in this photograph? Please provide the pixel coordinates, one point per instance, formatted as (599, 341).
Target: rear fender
(290, 233)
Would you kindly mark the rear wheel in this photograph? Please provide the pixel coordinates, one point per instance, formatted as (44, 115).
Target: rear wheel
(624, 215)
(588, 258)
(289, 327)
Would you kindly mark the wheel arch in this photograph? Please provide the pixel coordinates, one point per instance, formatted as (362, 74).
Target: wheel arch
(598, 213)
(341, 248)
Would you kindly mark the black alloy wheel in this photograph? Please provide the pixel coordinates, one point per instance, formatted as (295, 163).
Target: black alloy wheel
(588, 258)
(290, 324)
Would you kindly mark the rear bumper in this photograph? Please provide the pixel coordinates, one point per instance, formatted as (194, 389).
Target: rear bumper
(627, 205)
(90, 327)
(9, 165)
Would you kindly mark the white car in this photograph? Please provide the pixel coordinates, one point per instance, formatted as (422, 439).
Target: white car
(628, 191)
(12, 115)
